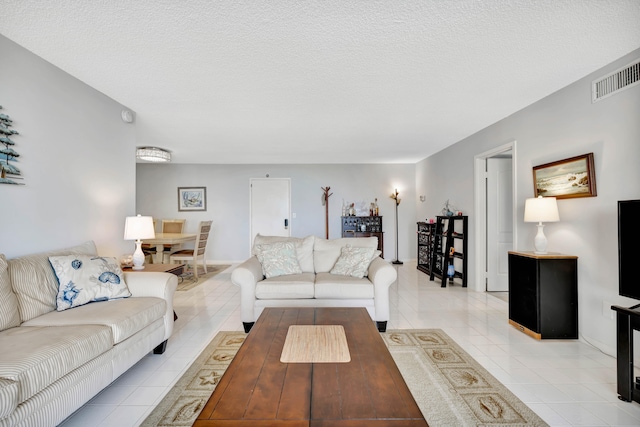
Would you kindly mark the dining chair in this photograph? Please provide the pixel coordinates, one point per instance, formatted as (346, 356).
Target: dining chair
(191, 256)
(150, 250)
(172, 226)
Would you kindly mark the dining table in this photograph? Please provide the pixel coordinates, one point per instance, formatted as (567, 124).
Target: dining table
(162, 239)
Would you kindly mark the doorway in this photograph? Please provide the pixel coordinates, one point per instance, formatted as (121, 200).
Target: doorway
(495, 231)
(270, 207)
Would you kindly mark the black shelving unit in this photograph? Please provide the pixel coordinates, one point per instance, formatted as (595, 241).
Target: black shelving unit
(450, 248)
(426, 232)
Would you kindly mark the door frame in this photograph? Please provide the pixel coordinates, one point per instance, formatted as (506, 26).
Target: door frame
(480, 196)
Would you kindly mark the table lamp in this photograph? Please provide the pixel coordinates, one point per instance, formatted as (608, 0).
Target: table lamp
(138, 228)
(541, 209)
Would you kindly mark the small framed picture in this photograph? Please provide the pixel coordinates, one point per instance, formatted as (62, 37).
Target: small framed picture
(564, 179)
(192, 199)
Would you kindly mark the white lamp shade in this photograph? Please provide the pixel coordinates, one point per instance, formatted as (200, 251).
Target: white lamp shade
(138, 228)
(541, 209)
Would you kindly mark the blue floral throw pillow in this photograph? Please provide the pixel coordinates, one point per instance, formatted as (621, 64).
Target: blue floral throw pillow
(84, 278)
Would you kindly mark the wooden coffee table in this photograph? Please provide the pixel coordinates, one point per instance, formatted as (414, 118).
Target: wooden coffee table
(259, 390)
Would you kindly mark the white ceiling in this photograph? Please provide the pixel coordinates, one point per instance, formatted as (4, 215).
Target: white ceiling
(334, 81)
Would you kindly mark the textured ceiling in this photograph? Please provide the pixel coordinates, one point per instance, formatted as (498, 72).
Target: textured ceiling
(335, 81)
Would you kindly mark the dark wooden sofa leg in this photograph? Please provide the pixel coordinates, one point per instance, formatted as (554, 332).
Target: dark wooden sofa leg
(160, 348)
(382, 326)
(247, 326)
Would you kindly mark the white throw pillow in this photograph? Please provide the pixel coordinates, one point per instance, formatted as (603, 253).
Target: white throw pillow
(327, 252)
(304, 248)
(353, 262)
(84, 278)
(278, 259)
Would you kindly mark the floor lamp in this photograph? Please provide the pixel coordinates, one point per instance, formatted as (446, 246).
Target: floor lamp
(395, 197)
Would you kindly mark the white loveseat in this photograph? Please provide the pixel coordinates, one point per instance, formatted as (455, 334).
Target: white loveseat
(315, 286)
(52, 362)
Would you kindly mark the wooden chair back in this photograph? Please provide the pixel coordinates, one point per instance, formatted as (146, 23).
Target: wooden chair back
(201, 239)
(199, 248)
(173, 225)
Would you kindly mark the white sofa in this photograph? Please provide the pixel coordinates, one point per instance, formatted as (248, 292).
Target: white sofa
(315, 286)
(52, 362)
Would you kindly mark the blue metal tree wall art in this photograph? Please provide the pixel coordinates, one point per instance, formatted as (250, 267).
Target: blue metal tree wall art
(7, 153)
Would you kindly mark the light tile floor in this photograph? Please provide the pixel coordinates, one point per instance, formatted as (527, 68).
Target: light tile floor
(566, 382)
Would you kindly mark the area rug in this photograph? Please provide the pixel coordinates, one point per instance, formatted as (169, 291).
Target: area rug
(449, 386)
(188, 281)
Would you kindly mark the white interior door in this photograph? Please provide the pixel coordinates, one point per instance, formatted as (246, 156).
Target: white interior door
(270, 207)
(499, 222)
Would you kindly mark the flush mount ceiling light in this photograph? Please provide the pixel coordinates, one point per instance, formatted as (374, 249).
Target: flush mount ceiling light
(153, 154)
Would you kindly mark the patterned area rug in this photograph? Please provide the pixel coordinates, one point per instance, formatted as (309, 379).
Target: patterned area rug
(450, 387)
(188, 281)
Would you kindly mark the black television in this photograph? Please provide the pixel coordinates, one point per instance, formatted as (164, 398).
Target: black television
(629, 248)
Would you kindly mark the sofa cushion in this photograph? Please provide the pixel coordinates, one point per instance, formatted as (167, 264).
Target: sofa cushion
(9, 316)
(353, 261)
(35, 357)
(124, 317)
(278, 259)
(304, 248)
(34, 282)
(85, 278)
(8, 397)
(333, 286)
(294, 286)
(327, 252)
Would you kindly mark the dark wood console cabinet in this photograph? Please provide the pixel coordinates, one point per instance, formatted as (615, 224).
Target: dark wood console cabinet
(364, 226)
(543, 294)
(426, 234)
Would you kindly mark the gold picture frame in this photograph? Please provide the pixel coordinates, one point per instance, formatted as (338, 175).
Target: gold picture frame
(566, 179)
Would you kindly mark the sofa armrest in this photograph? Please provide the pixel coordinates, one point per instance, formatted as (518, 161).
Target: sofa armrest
(154, 284)
(382, 275)
(247, 275)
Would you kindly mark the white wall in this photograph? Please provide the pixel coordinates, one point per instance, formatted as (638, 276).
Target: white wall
(228, 200)
(562, 125)
(76, 156)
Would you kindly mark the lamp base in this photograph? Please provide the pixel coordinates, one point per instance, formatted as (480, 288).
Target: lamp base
(396, 261)
(540, 241)
(138, 257)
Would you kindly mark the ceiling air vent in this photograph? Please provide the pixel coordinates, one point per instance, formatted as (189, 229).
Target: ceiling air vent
(615, 82)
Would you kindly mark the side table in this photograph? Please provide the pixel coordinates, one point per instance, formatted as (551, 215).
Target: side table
(176, 269)
(543, 294)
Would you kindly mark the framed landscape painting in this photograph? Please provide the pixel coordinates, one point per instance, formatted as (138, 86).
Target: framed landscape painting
(564, 179)
(192, 199)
